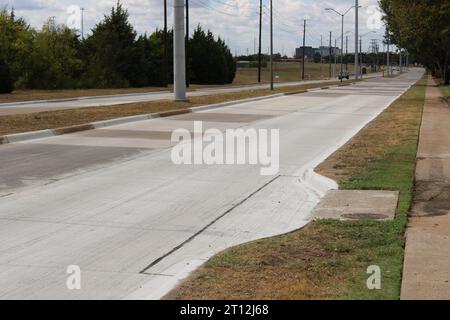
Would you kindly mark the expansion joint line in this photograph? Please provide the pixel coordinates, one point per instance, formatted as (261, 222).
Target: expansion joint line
(144, 271)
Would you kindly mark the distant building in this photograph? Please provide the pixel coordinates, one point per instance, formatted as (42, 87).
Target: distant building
(243, 64)
(325, 51)
(309, 53)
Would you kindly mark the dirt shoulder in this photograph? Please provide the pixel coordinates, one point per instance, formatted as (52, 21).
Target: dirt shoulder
(329, 259)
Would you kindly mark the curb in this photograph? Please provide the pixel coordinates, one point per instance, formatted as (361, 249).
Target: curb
(26, 136)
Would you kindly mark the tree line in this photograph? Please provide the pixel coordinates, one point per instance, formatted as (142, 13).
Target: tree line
(422, 27)
(113, 56)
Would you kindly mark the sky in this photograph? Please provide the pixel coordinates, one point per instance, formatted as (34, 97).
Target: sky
(236, 21)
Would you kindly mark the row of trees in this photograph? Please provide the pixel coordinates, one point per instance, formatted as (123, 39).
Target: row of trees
(113, 56)
(421, 27)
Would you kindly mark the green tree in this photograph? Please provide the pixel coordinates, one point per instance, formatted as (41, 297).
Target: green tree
(112, 51)
(55, 61)
(211, 61)
(15, 47)
(422, 28)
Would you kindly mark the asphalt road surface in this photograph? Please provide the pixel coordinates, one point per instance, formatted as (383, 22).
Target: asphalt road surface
(112, 202)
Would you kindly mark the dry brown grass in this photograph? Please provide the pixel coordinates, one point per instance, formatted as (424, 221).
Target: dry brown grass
(68, 117)
(328, 259)
(288, 267)
(32, 95)
(393, 127)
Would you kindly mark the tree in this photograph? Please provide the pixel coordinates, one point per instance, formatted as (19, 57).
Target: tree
(6, 80)
(15, 45)
(211, 60)
(112, 51)
(422, 28)
(55, 61)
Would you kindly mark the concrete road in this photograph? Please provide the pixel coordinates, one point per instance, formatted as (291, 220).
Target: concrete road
(112, 202)
(83, 102)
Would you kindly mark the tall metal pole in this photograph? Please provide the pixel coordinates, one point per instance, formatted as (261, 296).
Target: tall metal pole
(342, 48)
(82, 23)
(187, 43)
(260, 40)
(304, 50)
(271, 45)
(166, 49)
(329, 60)
(361, 57)
(335, 58)
(346, 53)
(388, 57)
(179, 52)
(407, 61)
(356, 39)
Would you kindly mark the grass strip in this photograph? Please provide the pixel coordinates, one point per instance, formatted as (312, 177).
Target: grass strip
(328, 259)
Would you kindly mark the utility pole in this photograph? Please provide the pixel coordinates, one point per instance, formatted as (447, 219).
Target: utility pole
(356, 39)
(304, 49)
(329, 58)
(179, 53)
(401, 61)
(166, 49)
(335, 58)
(407, 61)
(388, 58)
(342, 48)
(346, 53)
(260, 39)
(271, 45)
(361, 57)
(187, 43)
(82, 23)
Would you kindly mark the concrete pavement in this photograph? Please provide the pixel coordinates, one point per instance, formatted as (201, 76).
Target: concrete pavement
(427, 255)
(111, 201)
(84, 102)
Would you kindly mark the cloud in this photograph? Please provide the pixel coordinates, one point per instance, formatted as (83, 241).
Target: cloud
(236, 21)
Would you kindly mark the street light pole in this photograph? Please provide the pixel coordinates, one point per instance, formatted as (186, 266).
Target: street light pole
(342, 49)
(179, 53)
(304, 44)
(356, 39)
(271, 46)
(166, 50)
(388, 57)
(329, 60)
(260, 40)
(342, 34)
(82, 23)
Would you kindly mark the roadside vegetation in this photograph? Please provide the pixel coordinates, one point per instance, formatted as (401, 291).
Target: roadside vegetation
(446, 92)
(112, 55)
(328, 259)
(421, 29)
(29, 121)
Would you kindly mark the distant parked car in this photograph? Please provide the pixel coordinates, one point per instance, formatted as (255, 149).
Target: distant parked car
(344, 75)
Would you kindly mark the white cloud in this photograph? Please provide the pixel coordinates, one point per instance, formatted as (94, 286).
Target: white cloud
(236, 21)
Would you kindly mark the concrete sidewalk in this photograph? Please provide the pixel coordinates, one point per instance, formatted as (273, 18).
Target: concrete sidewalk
(427, 256)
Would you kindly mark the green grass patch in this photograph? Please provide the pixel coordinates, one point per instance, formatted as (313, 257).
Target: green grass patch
(328, 259)
(446, 92)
